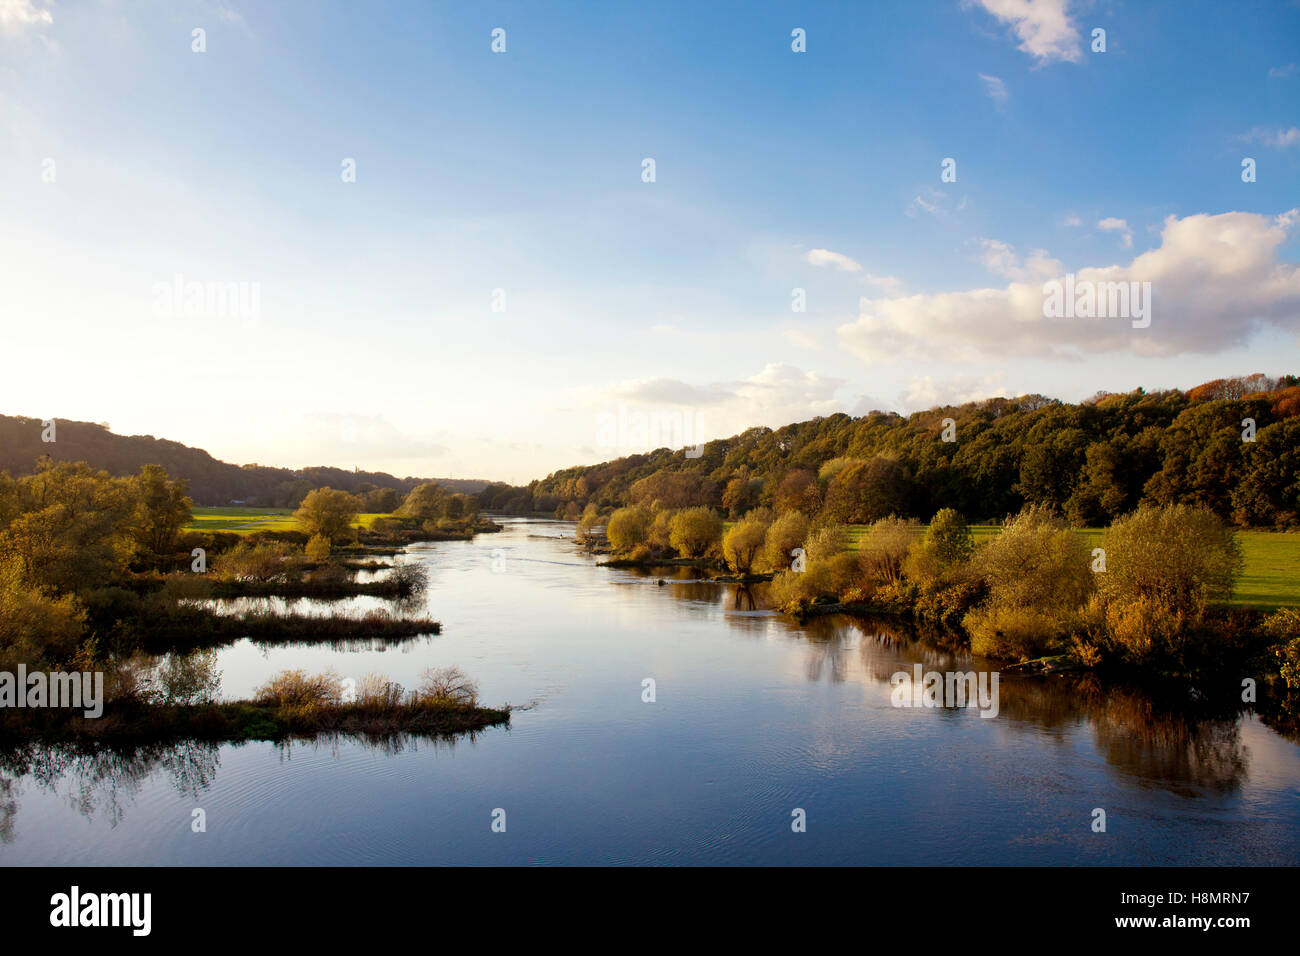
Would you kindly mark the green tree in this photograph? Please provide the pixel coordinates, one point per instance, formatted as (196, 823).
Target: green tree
(424, 501)
(330, 513)
(162, 510)
(866, 491)
(948, 538)
(71, 528)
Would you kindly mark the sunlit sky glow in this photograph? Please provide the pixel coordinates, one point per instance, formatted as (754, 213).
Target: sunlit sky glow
(375, 342)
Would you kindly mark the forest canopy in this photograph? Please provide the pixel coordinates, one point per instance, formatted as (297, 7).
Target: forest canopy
(1231, 445)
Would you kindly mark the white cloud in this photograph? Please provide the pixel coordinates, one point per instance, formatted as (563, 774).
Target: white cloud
(1216, 280)
(918, 203)
(995, 88)
(1111, 224)
(1279, 71)
(1001, 259)
(775, 396)
(888, 283)
(1276, 138)
(1043, 27)
(924, 393)
(824, 257)
(932, 202)
(18, 15)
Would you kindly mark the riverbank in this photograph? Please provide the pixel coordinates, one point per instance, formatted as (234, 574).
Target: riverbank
(247, 720)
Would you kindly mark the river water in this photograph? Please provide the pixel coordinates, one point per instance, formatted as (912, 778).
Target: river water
(757, 723)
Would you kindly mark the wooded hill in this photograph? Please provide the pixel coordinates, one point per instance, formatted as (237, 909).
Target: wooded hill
(1093, 461)
(211, 482)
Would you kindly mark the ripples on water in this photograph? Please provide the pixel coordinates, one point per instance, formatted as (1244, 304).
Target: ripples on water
(755, 716)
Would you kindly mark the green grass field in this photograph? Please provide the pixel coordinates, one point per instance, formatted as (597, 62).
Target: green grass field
(248, 520)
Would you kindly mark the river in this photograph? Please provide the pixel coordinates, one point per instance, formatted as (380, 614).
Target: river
(757, 723)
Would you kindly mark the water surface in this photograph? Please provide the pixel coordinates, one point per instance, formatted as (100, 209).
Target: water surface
(754, 717)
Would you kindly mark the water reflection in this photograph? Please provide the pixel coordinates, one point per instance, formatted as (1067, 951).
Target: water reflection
(1185, 747)
(743, 727)
(103, 782)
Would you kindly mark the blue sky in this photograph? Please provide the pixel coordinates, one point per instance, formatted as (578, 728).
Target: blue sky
(375, 342)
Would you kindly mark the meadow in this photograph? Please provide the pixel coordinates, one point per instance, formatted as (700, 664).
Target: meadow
(249, 520)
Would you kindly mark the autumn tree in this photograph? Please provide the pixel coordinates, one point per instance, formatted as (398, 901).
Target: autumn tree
(785, 534)
(424, 501)
(628, 527)
(798, 491)
(162, 509)
(743, 543)
(329, 513)
(695, 531)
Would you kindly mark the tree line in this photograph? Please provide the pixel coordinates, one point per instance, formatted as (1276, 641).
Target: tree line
(1231, 446)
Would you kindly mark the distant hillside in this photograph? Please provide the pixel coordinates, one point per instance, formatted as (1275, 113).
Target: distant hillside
(211, 482)
(1232, 445)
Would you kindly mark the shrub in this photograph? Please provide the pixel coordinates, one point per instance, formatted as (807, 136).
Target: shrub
(295, 688)
(590, 518)
(1020, 633)
(1038, 575)
(1036, 562)
(628, 527)
(186, 586)
(659, 536)
(789, 589)
(885, 547)
(447, 685)
(743, 543)
(829, 579)
(255, 562)
(784, 535)
(826, 542)
(410, 579)
(36, 626)
(318, 548)
(695, 531)
(949, 603)
(1284, 627)
(1180, 557)
(1137, 629)
(377, 691)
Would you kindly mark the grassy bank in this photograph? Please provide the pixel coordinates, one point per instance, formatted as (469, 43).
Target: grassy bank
(1271, 578)
(249, 720)
(192, 628)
